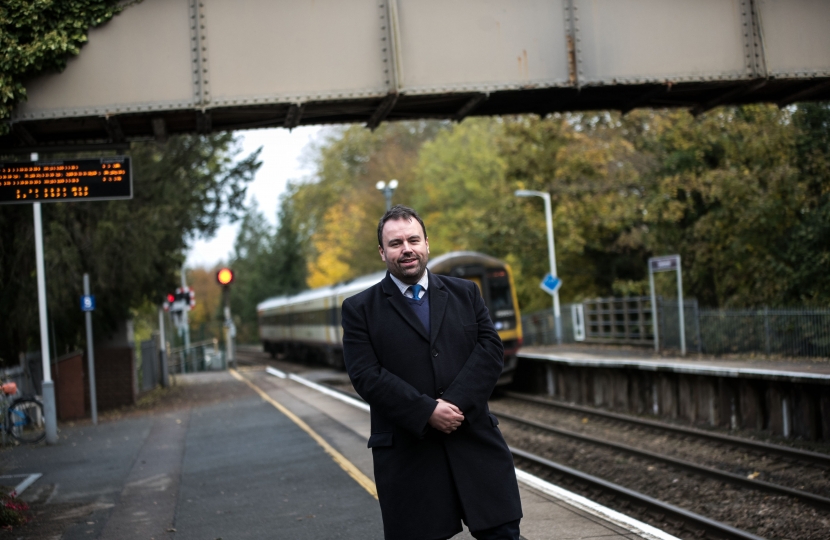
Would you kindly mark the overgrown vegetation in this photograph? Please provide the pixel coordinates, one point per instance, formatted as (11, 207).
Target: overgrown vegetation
(37, 36)
(742, 194)
(133, 250)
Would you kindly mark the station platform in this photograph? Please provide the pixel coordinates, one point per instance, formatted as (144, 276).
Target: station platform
(785, 398)
(251, 456)
(793, 370)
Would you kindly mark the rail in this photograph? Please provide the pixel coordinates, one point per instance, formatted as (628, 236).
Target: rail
(731, 478)
(783, 451)
(692, 520)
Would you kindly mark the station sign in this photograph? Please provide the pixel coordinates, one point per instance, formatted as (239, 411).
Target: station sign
(550, 284)
(88, 302)
(668, 263)
(66, 180)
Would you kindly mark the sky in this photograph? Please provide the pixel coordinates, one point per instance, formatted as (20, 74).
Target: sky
(281, 161)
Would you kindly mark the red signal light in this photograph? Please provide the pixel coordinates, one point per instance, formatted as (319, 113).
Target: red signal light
(224, 276)
(171, 298)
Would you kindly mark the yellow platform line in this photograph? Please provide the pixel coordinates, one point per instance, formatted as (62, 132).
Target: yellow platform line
(364, 481)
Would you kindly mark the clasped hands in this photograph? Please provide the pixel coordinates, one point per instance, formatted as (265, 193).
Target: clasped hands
(446, 417)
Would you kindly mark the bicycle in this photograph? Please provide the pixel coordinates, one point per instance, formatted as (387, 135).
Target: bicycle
(22, 417)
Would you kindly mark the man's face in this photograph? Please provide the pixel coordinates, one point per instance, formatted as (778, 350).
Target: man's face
(405, 250)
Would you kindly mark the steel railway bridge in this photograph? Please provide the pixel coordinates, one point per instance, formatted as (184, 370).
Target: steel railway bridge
(196, 66)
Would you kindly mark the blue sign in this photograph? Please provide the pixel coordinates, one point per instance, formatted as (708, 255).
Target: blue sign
(550, 284)
(88, 302)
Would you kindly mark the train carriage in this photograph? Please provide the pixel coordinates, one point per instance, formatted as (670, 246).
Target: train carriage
(306, 326)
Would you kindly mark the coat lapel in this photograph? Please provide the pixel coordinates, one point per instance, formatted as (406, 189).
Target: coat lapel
(400, 304)
(437, 305)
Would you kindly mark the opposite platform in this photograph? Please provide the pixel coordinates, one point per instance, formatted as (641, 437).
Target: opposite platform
(786, 398)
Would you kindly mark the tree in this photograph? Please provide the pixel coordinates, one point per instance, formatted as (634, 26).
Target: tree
(335, 209)
(266, 263)
(741, 193)
(726, 193)
(38, 36)
(806, 257)
(205, 318)
(133, 250)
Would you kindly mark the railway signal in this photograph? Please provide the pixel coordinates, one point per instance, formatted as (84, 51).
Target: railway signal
(225, 277)
(184, 299)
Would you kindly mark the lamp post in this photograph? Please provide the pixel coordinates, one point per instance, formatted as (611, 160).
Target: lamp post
(387, 190)
(557, 316)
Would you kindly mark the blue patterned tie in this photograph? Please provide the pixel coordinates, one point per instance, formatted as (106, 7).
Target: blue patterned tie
(416, 291)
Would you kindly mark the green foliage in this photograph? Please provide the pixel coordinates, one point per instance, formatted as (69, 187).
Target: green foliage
(40, 35)
(741, 193)
(806, 250)
(333, 208)
(133, 249)
(266, 263)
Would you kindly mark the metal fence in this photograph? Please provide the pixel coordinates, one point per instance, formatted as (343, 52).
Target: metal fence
(788, 332)
(538, 328)
(201, 356)
(785, 332)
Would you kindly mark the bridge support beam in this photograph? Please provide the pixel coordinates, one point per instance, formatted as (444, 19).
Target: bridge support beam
(294, 115)
(808, 92)
(470, 106)
(728, 96)
(159, 129)
(382, 111)
(113, 127)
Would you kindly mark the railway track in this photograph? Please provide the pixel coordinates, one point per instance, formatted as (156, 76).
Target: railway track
(783, 496)
(702, 470)
(784, 452)
(632, 501)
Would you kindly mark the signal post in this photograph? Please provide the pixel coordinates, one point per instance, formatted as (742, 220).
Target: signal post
(225, 277)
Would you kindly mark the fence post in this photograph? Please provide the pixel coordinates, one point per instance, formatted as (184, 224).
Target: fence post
(766, 329)
(697, 327)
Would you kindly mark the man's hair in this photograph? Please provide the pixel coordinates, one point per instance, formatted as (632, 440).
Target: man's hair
(399, 212)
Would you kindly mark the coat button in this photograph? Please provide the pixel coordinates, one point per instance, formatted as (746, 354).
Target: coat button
(434, 352)
(441, 391)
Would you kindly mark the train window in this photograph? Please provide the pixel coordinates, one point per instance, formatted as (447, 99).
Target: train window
(500, 298)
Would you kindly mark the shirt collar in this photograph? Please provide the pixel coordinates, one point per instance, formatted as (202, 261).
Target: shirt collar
(423, 282)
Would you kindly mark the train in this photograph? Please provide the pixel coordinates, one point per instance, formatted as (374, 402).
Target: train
(306, 326)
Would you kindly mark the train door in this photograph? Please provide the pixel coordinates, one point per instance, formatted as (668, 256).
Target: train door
(477, 281)
(478, 275)
(500, 302)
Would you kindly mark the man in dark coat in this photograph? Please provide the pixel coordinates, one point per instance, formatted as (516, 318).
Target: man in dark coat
(422, 351)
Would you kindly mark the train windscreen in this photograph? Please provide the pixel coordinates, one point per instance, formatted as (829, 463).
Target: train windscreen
(501, 300)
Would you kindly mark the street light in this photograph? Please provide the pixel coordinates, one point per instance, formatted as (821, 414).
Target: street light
(387, 190)
(557, 316)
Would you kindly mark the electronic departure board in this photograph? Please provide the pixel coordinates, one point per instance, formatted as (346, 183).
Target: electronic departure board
(66, 181)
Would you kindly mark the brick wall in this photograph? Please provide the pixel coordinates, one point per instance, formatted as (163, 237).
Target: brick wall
(70, 383)
(115, 382)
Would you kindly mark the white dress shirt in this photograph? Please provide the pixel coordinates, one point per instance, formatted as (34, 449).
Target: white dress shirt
(404, 287)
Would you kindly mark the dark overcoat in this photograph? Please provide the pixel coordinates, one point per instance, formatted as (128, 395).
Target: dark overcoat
(401, 371)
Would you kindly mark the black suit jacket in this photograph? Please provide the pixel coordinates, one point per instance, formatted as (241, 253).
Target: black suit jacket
(401, 371)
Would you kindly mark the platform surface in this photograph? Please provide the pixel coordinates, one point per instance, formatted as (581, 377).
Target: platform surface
(803, 370)
(232, 468)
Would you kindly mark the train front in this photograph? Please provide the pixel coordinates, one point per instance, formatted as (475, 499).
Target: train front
(495, 281)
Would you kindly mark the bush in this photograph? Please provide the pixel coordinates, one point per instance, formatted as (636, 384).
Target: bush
(12, 511)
